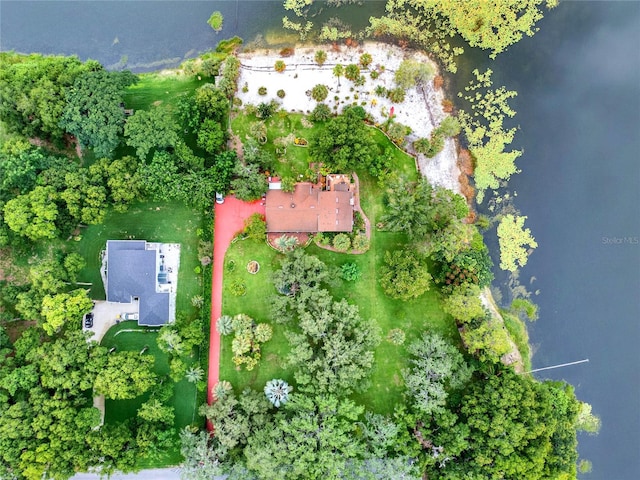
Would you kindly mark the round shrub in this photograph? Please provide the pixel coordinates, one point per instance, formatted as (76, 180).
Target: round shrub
(365, 60)
(224, 325)
(280, 66)
(396, 336)
(360, 243)
(262, 91)
(352, 72)
(321, 113)
(238, 288)
(281, 93)
(320, 57)
(374, 74)
(263, 332)
(341, 242)
(350, 272)
(396, 95)
(319, 93)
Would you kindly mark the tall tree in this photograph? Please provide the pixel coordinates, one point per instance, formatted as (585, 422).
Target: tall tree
(33, 214)
(404, 274)
(146, 130)
(313, 438)
(92, 112)
(436, 366)
(125, 375)
(33, 90)
(63, 308)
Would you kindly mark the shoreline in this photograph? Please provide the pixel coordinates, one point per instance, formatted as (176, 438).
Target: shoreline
(421, 111)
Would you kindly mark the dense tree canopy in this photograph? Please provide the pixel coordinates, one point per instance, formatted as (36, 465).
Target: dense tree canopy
(93, 112)
(33, 214)
(149, 129)
(33, 91)
(404, 274)
(345, 144)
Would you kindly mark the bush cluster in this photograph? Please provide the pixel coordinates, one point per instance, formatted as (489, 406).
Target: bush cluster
(246, 342)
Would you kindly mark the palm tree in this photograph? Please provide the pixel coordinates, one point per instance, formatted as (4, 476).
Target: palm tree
(277, 391)
(195, 374)
(338, 71)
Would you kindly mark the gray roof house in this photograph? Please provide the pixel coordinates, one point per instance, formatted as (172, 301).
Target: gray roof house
(134, 272)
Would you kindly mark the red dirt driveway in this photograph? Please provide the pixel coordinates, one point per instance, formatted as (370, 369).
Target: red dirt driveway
(229, 220)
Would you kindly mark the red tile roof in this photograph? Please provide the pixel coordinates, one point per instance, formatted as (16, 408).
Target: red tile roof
(309, 209)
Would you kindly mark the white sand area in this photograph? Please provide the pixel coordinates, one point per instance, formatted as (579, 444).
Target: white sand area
(421, 110)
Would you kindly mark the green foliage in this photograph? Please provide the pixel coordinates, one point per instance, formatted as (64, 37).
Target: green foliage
(33, 90)
(33, 214)
(215, 21)
(238, 288)
(311, 438)
(281, 93)
(212, 102)
(63, 308)
(350, 272)
(404, 275)
(422, 145)
(320, 57)
(228, 83)
(365, 60)
(411, 73)
(486, 338)
(255, 227)
(299, 272)
(435, 367)
(396, 95)
(513, 238)
(523, 305)
(279, 66)
(485, 133)
(397, 132)
(149, 129)
(360, 242)
(249, 184)
(352, 72)
(494, 27)
(396, 336)
(267, 109)
(246, 342)
(125, 375)
(464, 303)
(341, 242)
(224, 325)
(92, 112)
(288, 184)
(345, 144)
(586, 421)
(449, 127)
(319, 92)
(211, 137)
(321, 113)
(516, 427)
(338, 71)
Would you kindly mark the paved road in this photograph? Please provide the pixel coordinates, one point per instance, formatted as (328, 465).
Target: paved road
(154, 474)
(229, 220)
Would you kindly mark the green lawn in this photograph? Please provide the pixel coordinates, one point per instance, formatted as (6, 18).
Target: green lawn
(128, 336)
(414, 317)
(161, 89)
(154, 222)
(296, 160)
(254, 303)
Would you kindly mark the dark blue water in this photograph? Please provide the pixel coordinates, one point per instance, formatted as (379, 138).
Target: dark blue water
(579, 112)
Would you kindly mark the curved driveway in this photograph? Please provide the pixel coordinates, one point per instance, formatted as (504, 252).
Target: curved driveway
(229, 220)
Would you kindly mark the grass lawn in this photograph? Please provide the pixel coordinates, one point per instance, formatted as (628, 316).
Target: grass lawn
(154, 222)
(254, 303)
(161, 89)
(128, 336)
(414, 317)
(296, 159)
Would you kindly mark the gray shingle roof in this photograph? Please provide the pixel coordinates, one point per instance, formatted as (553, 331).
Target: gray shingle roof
(131, 272)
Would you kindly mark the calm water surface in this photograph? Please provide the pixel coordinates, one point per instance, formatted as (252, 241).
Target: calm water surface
(578, 108)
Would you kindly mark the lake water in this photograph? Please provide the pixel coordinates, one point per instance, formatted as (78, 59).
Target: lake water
(579, 111)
